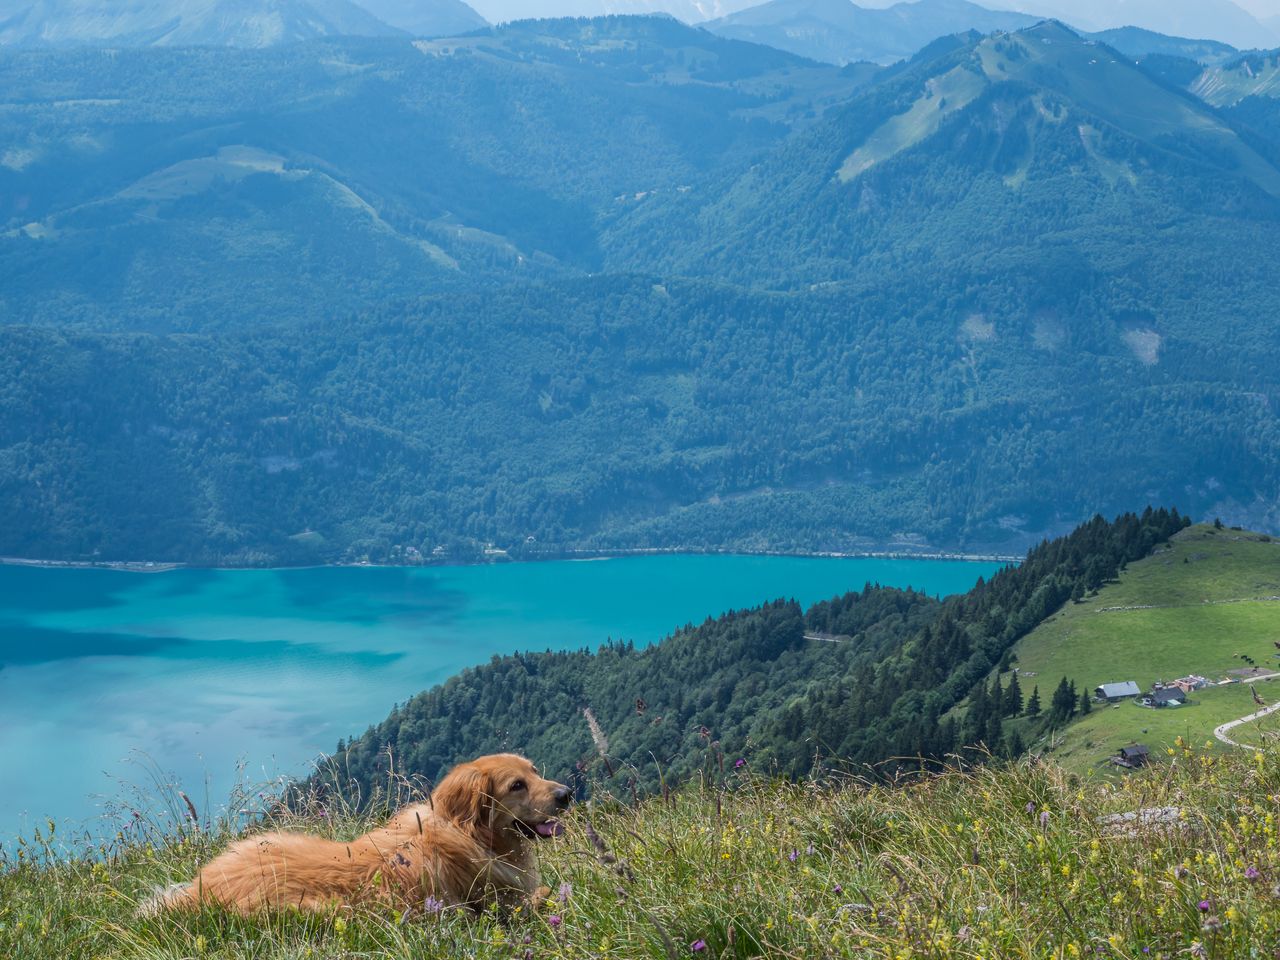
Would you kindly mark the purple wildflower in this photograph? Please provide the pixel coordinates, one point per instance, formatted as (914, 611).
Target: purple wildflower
(566, 891)
(1252, 873)
(1031, 807)
(837, 889)
(1204, 906)
(554, 921)
(793, 856)
(432, 905)
(1044, 819)
(739, 763)
(698, 946)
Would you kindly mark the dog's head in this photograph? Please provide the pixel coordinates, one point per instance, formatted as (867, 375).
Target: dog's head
(502, 793)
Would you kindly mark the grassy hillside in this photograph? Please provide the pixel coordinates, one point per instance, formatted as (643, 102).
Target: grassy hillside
(1008, 862)
(1199, 606)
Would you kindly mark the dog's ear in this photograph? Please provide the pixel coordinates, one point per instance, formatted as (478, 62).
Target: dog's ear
(465, 796)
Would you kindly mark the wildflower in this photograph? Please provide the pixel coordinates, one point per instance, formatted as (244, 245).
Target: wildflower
(793, 856)
(432, 905)
(1197, 950)
(1204, 906)
(1044, 819)
(739, 763)
(1031, 807)
(1212, 924)
(554, 921)
(1252, 873)
(837, 889)
(698, 946)
(809, 850)
(566, 890)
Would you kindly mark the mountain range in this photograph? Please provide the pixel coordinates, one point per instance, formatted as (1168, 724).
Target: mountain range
(837, 31)
(1220, 20)
(235, 23)
(621, 283)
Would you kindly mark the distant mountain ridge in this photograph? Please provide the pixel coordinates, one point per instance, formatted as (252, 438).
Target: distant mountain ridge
(426, 18)
(838, 31)
(230, 23)
(1219, 20)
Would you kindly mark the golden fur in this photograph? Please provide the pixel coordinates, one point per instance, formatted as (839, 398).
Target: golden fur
(470, 843)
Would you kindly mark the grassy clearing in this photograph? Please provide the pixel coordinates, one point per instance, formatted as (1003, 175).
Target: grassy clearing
(1194, 607)
(1008, 862)
(1085, 743)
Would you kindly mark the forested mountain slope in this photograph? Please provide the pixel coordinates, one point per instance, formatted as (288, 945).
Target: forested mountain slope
(198, 188)
(754, 684)
(1036, 154)
(623, 284)
(616, 412)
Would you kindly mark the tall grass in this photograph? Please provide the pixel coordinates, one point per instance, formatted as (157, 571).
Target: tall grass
(997, 862)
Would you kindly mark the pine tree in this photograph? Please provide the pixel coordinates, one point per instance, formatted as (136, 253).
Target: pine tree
(1013, 697)
(1063, 705)
(1085, 703)
(1013, 745)
(979, 709)
(994, 734)
(1033, 702)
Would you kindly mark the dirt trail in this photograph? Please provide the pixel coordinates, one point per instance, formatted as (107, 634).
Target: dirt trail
(1220, 731)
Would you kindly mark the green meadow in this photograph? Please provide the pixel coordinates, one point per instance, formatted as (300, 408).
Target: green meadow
(1198, 606)
(1009, 860)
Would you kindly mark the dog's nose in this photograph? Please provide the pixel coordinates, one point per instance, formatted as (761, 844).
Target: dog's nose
(563, 796)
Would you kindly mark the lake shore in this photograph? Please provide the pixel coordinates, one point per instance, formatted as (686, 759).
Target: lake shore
(551, 556)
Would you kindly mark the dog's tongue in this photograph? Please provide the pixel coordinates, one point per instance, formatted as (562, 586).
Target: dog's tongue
(552, 828)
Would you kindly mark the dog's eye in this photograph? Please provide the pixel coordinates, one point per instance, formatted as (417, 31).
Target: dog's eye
(518, 785)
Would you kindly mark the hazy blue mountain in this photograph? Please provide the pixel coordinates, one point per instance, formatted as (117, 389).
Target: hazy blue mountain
(962, 145)
(234, 23)
(839, 31)
(1136, 42)
(1219, 20)
(224, 186)
(1253, 75)
(426, 18)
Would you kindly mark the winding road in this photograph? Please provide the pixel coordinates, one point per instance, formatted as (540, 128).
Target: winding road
(1220, 731)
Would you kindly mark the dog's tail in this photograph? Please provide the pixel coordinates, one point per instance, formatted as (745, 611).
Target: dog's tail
(174, 896)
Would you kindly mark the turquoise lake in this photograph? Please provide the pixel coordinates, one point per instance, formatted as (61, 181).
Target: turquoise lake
(109, 679)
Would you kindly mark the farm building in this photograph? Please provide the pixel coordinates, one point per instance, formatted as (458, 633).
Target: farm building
(1134, 755)
(1164, 697)
(1111, 692)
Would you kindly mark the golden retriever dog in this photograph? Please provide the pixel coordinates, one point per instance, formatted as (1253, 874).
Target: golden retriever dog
(472, 842)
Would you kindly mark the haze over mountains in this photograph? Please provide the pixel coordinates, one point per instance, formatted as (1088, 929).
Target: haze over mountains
(236, 23)
(834, 30)
(837, 31)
